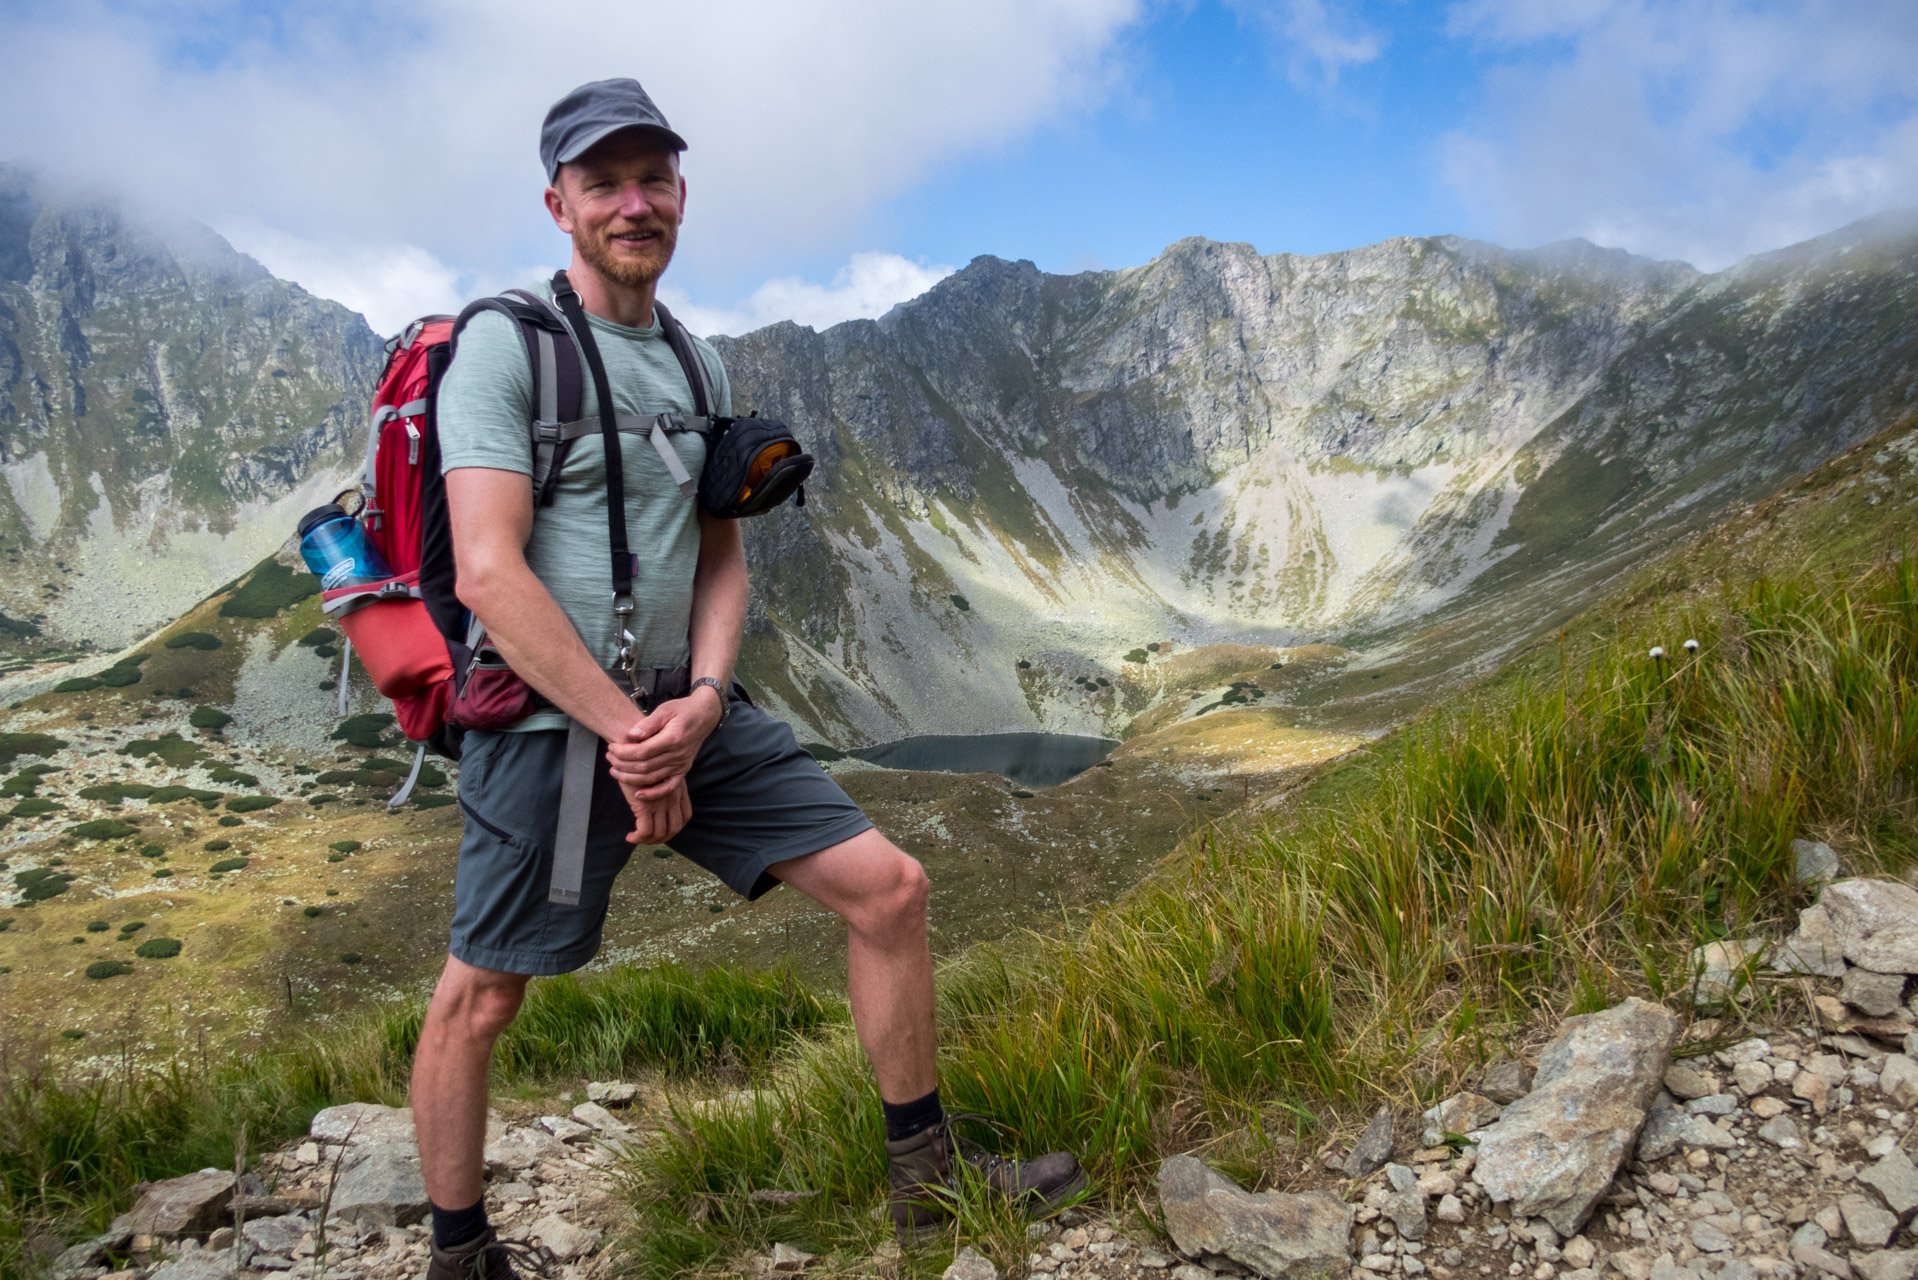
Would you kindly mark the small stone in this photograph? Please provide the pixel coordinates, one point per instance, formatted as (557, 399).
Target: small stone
(1506, 1082)
(1720, 970)
(1898, 1078)
(1401, 1178)
(1813, 861)
(597, 1117)
(1579, 1252)
(790, 1258)
(1767, 1108)
(1663, 1183)
(1186, 1271)
(1751, 1078)
(1810, 1233)
(1373, 1148)
(307, 1154)
(563, 1239)
(1717, 1104)
(612, 1093)
(1376, 1262)
(1685, 1083)
(1875, 994)
(201, 1264)
(1896, 1179)
(1752, 1050)
(1813, 1089)
(1153, 1260)
(1437, 1182)
(1887, 1264)
(279, 1235)
(1831, 1067)
(1881, 1146)
(971, 1265)
(1633, 1264)
(566, 1130)
(1450, 1209)
(1866, 1221)
(1709, 1239)
(1806, 1256)
(1830, 1220)
(1782, 1133)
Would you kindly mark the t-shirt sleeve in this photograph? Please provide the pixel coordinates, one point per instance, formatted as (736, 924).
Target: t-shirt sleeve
(716, 375)
(485, 407)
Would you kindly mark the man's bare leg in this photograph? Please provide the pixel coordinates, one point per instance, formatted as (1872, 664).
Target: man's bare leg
(880, 891)
(470, 1008)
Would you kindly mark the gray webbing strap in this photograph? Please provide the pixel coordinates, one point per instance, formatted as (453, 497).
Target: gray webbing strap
(545, 447)
(575, 809)
(406, 789)
(346, 668)
(670, 456)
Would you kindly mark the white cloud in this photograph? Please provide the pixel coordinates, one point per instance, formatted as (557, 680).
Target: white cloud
(336, 126)
(1696, 129)
(867, 287)
(1317, 45)
(388, 284)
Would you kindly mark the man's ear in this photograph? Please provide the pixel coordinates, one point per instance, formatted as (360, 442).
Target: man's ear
(556, 207)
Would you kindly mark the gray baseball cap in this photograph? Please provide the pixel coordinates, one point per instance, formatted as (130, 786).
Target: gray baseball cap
(595, 111)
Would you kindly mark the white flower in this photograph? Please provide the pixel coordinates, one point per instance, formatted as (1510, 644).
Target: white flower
(1658, 653)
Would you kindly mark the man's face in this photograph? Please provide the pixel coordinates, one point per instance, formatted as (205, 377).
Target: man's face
(621, 203)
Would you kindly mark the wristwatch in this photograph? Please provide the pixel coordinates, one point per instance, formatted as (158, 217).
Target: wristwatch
(717, 688)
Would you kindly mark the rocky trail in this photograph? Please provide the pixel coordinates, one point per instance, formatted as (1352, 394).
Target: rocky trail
(1745, 1146)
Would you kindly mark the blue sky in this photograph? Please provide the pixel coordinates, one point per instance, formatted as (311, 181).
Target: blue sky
(847, 152)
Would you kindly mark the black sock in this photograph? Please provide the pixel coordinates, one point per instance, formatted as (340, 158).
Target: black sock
(903, 1119)
(452, 1227)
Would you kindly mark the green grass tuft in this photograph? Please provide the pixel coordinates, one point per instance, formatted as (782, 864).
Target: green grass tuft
(209, 718)
(201, 640)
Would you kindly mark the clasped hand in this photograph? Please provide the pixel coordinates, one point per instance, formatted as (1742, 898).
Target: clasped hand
(651, 762)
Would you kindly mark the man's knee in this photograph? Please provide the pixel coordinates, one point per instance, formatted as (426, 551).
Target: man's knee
(897, 903)
(477, 1003)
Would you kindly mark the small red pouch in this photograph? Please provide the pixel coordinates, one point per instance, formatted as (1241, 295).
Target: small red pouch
(392, 634)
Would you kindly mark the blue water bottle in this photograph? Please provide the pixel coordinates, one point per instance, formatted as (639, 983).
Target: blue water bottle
(335, 548)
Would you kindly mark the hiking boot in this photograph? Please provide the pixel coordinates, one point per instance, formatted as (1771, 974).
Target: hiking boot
(920, 1170)
(484, 1257)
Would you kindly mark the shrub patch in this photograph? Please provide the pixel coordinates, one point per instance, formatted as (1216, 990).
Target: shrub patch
(251, 804)
(209, 718)
(271, 588)
(103, 829)
(158, 949)
(100, 969)
(194, 640)
(229, 864)
(345, 846)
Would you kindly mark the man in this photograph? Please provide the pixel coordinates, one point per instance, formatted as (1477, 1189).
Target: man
(706, 773)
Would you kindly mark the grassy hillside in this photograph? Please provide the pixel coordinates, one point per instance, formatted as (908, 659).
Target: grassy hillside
(1549, 840)
(1545, 843)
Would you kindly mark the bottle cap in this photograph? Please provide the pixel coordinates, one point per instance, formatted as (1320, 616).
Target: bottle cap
(319, 516)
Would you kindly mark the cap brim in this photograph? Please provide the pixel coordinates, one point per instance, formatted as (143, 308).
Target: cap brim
(672, 140)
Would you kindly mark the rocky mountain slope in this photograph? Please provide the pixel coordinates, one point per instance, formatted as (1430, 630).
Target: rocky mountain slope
(1426, 447)
(167, 408)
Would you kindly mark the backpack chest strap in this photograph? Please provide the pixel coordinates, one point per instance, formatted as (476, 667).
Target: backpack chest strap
(548, 437)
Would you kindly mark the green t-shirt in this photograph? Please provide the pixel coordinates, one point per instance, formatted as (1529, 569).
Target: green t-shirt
(485, 418)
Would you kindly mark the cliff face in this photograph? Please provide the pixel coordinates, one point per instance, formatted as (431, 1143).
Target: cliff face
(1220, 446)
(166, 409)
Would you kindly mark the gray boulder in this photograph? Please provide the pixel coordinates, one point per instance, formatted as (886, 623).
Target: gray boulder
(971, 1265)
(1896, 1179)
(1553, 1153)
(363, 1124)
(1876, 922)
(1279, 1236)
(1813, 949)
(381, 1186)
(1887, 1264)
(192, 1204)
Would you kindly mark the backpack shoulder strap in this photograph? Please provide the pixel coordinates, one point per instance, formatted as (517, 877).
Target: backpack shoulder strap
(559, 382)
(689, 362)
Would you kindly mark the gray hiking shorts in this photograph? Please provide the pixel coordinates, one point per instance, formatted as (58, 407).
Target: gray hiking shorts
(757, 799)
